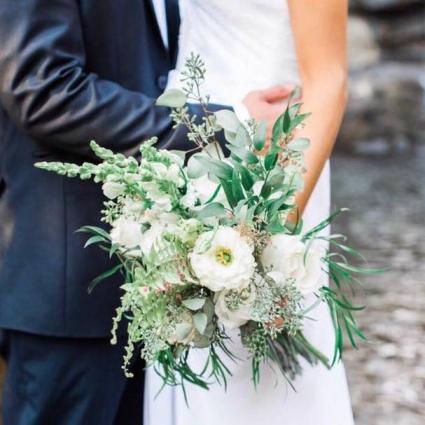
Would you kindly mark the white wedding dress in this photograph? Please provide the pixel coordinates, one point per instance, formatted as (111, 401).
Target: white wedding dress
(248, 45)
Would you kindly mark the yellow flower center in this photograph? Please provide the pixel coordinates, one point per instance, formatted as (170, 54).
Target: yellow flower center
(223, 255)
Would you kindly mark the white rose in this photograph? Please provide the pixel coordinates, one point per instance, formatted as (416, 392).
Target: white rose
(228, 263)
(113, 189)
(230, 316)
(128, 234)
(287, 254)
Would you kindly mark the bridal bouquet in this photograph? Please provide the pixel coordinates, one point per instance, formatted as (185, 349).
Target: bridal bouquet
(205, 245)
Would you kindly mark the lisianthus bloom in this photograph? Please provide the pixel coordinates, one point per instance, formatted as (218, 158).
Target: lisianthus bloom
(223, 259)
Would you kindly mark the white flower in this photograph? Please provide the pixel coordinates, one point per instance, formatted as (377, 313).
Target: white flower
(132, 207)
(224, 262)
(162, 201)
(202, 189)
(128, 234)
(170, 173)
(278, 277)
(234, 315)
(176, 159)
(165, 223)
(113, 189)
(287, 254)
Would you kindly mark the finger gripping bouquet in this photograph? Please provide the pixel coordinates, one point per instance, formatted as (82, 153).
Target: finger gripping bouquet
(205, 245)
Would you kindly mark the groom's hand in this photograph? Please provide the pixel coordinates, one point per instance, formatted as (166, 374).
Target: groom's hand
(267, 105)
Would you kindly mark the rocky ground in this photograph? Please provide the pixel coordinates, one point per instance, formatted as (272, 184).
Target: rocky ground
(387, 221)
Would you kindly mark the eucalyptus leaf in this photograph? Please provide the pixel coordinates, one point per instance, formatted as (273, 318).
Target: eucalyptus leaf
(299, 144)
(214, 209)
(216, 167)
(228, 120)
(195, 168)
(172, 98)
(242, 137)
(183, 330)
(214, 150)
(200, 320)
(194, 304)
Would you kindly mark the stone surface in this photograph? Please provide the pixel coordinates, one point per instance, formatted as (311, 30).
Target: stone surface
(398, 27)
(383, 5)
(387, 222)
(363, 49)
(386, 109)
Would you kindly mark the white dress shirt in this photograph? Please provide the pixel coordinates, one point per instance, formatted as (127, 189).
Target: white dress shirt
(161, 17)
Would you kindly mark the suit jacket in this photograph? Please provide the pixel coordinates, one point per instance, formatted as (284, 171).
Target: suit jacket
(70, 71)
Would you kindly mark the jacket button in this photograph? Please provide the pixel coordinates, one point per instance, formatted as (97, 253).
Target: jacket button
(162, 82)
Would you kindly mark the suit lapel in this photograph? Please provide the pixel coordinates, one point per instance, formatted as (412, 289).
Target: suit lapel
(151, 10)
(173, 25)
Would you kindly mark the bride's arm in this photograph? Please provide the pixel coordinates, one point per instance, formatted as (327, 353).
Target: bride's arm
(319, 28)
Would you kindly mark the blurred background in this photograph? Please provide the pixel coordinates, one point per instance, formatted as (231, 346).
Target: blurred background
(379, 173)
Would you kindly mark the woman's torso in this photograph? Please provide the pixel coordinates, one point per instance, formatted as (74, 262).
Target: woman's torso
(246, 45)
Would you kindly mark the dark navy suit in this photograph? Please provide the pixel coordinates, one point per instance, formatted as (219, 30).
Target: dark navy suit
(70, 71)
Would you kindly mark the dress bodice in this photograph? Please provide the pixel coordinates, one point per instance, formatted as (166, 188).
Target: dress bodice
(246, 45)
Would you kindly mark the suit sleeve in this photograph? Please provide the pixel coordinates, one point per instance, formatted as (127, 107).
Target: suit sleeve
(48, 93)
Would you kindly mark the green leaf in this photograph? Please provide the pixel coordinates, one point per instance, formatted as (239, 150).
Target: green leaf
(299, 145)
(228, 190)
(260, 135)
(216, 167)
(183, 330)
(286, 121)
(276, 178)
(227, 120)
(297, 120)
(238, 193)
(214, 209)
(246, 178)
(277, 130)
(94, 230)
(242, 137)
(243, 153)
(172, 98)
(275, 226)
(194, 304)
(270, 161)
(195, 168)
(325, 223)
(104, 276)
(200, 320)
(94, 240)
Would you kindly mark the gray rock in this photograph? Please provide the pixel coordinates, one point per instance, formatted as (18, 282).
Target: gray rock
(385, 111)
(382, 5)
(363, 49)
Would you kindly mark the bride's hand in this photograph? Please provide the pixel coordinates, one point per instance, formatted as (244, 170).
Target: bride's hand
(267, 105)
